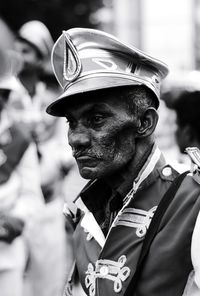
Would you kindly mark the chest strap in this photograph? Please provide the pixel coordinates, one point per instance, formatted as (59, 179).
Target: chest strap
(153, 229)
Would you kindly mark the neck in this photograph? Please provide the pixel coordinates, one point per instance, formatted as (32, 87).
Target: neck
(133, 167)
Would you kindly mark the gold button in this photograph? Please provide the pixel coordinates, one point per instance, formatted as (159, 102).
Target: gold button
(104, 270)
(167, 172)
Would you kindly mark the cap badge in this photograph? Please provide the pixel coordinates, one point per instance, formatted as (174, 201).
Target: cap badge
(194, 154)
(105, 63)
(72, 63)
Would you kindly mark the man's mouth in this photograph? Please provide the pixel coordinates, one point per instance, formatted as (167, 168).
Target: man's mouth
(84, 157)
(90, 156)
(87, 161)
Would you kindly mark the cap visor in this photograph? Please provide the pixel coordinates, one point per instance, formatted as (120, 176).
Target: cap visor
(82, 86)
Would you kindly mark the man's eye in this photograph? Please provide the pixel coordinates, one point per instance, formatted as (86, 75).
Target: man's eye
(97, 119)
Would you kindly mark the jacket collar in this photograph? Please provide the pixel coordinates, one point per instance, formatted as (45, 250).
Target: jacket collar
(92, 196)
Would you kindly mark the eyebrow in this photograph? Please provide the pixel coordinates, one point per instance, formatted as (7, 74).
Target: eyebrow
(102, 106)
(97, 107)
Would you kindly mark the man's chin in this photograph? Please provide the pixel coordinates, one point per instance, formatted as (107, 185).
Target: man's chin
(90, 173)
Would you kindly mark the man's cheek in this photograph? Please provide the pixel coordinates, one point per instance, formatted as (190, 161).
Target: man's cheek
(106, 145)
(122, 130)
(122, 139)
(109, 136)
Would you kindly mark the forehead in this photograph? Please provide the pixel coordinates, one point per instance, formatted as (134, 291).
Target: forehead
(97, 102)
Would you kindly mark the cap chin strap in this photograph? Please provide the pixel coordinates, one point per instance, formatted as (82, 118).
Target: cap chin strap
(153, 230)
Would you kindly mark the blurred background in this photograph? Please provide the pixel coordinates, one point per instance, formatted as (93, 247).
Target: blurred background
(166, 29)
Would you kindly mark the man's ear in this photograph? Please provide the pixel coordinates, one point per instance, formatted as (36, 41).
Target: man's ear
(148, 122)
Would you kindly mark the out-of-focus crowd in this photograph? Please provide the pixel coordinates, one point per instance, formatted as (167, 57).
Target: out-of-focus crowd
(37, 172)
(179, 125)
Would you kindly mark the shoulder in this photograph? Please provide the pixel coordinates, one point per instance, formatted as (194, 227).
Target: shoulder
(191, 184)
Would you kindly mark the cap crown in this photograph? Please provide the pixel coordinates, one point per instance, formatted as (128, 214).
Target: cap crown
(86, 60)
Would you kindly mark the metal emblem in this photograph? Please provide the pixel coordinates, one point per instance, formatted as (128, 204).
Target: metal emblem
(194, 154)
(72, 63)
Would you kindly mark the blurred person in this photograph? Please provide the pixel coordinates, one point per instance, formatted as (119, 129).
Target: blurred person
(136, 229)
(49, 246)
(33, 44)
(20, 193)
(166, 140)
(181, 95)
(51, 260)
(187, 108)
(55, 153)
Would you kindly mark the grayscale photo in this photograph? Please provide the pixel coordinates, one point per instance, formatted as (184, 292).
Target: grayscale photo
(100, 148)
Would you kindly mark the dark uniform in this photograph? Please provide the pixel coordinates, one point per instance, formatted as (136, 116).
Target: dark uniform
(106, 263)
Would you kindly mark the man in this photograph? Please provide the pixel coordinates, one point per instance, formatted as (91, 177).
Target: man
(34, 42)
(20, 194)
(111, 93)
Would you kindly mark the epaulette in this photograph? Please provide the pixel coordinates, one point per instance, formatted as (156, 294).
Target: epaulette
(194, 154)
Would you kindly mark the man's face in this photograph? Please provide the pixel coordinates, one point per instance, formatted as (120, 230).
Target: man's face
(102, 136)
(29, 55)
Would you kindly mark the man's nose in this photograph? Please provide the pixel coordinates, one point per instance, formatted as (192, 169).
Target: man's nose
(79, 138)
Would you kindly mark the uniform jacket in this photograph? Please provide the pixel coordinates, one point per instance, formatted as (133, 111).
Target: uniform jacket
(105, 265)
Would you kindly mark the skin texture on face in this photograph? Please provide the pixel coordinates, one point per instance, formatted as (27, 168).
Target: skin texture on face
(102, 136)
